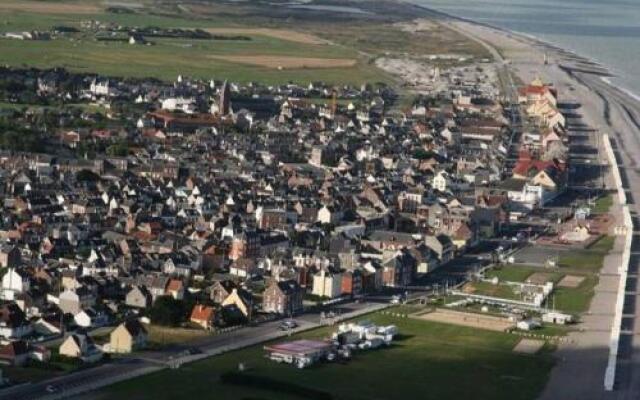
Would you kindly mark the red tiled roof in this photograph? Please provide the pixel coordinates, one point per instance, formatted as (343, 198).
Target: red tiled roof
(174, 285)
(202, 313)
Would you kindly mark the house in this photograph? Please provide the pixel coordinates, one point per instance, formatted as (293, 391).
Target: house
(398, 268)
(352, 282)
(128, 336)
(243, 268)
(537, 91)
(442, 246)
(10, 256)
(426, 259)
(91, 318)
(74, 301)
(242, 300)
(80, 345)
(204, 316)
(283, 297)
(175, 289)
(327, 283)
(138, 297)
(329, 215)
(13, 322)
(14, 353)
(441, 181)
(48, 326)
(371, 276)
(14, 282)
(220, 290)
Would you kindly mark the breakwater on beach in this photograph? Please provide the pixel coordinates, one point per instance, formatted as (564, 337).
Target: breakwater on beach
(606, 32)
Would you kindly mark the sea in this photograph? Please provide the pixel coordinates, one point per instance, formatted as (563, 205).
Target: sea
(605, 31)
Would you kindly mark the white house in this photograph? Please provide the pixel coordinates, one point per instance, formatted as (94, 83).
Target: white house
(441, 181)
(14, 282)
(101, 88)
(91, 318)
(327, 284)
(329, 215)
(184, 104)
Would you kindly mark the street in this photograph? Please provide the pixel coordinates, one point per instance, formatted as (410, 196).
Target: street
(140, 363)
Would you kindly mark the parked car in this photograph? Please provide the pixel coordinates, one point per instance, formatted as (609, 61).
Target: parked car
(51, 389)
(288, 325)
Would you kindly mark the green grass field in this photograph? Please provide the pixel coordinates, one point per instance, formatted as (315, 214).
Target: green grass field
(590, 259)
(603, 204)
(429, 361)
(168, 58)
(361, 40)
(575, 300)
(489, 289)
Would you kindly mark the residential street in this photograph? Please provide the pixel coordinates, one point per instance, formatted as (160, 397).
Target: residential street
(150, 361)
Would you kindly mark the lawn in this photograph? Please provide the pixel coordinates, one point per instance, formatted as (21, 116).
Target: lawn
(575, 300)
(510, 273)
(489, 289)
(590, 259)
(162, 335)
(603, 204)
(585, 263)
(429, 361)
(520, 273)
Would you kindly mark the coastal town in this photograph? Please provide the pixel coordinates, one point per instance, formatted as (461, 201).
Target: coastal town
(149, 226)
(216, 204)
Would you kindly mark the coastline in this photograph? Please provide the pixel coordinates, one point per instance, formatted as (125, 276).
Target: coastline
(606, 108)
(533, 41)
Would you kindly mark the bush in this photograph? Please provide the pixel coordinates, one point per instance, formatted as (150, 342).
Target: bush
(167, 311)
(265, 383)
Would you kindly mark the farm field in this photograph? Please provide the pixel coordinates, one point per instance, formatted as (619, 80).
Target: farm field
(242, 59)
(250, 42)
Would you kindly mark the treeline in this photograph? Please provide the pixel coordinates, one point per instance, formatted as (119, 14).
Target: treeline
(20, 138)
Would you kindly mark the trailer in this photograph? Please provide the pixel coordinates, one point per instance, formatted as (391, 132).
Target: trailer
(301, 353)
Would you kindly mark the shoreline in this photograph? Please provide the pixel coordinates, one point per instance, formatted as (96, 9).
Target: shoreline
(533, 40)
(603, 108)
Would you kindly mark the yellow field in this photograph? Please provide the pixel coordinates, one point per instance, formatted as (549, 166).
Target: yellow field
(286, 62)
(282, 34)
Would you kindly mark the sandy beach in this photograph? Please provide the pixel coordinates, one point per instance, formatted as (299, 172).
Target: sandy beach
(604, 109)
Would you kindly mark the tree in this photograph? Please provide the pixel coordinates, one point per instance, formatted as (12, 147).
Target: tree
(85, 175)
(167, 311)
(118, 149)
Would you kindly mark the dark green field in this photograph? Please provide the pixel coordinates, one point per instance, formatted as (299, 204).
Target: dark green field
(429, 361)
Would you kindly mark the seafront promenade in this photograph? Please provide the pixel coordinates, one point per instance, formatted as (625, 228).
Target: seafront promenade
(605, 110)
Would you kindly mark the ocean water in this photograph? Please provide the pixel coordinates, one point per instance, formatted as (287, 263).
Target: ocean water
(606, 31)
